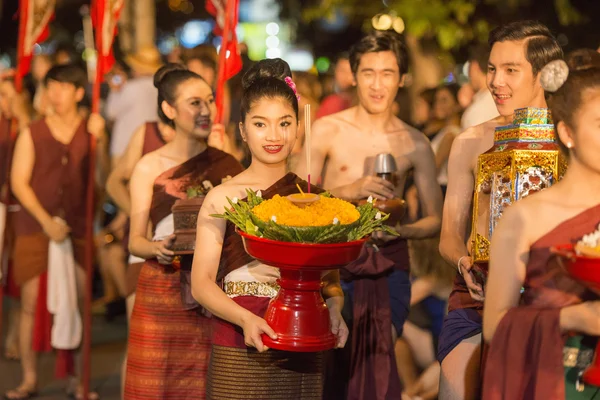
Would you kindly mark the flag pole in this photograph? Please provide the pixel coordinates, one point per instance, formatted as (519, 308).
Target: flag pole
(221, 77)
(18, 80)
(86, 372)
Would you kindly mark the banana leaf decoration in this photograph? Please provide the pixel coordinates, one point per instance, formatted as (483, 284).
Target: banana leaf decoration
(240, 214)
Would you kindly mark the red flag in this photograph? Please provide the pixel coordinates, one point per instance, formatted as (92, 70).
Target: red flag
(34, 18)
(105, 14)
(233, 61)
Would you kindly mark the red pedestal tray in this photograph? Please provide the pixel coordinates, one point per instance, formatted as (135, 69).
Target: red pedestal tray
(587, 271)
(298, 314)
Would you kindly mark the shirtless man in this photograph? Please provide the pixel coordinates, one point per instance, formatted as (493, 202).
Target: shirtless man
(349, 141)
(519, 51)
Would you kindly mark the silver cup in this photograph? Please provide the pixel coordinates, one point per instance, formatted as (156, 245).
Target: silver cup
(385, 163)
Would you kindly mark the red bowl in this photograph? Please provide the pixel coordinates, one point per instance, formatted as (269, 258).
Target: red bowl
(301, 255)
(583, 268)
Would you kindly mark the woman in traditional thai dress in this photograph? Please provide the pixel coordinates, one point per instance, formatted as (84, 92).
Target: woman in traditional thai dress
(235, 288)
(169, 345)
(538, 339)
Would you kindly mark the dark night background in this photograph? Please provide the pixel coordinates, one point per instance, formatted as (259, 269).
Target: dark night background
(68, 22)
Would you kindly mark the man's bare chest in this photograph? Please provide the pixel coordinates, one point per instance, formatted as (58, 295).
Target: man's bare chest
(355, 157)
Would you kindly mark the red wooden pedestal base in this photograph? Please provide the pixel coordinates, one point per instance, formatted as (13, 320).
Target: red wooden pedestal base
(587, 271)
(298, 314)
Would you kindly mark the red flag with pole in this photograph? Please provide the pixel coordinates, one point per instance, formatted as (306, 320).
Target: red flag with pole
(230, 60)
(34, 20)
(104, 15)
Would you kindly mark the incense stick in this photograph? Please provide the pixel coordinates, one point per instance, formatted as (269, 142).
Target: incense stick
(307, 140)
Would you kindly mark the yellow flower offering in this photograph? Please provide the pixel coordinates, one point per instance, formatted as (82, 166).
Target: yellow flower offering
(323, 212)
(305, 218)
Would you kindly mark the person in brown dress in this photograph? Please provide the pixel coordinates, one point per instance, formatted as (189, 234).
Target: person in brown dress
(14, 108)
(169, 341)
(120, 266)
(49, 177)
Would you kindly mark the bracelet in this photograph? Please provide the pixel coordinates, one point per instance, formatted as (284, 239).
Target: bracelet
(458, 265)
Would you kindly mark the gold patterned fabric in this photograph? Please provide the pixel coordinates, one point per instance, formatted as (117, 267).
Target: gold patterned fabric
(245, 374)
(260, 289)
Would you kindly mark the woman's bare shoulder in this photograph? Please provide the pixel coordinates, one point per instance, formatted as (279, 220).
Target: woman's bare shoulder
(218, 197)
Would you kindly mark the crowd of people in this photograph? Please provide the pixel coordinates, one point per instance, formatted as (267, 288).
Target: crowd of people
(409, 314)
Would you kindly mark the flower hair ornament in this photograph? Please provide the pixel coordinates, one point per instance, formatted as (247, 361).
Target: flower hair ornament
(292, 85)
(554, 75)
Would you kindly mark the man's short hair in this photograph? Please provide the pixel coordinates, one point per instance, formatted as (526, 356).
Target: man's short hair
(480, 53)
(68, 73)
(376, 42)
(541, 46)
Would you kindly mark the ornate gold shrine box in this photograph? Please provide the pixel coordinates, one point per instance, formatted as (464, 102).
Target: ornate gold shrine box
(525, 159)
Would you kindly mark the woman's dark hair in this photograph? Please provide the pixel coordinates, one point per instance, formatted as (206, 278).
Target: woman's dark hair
(428, 95)
(376, 42)
(266, 78)
(68, 73)
(541, 46)
(584, 75)
(167, 80)
(453, 88)
(204, 53)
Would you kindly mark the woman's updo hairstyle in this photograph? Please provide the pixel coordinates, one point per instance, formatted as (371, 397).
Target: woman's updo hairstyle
(167, 80)
(267, 78)
(568, 82)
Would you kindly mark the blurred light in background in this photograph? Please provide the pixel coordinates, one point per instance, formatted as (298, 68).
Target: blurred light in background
(272, 42)
(273, 53)
(323, 64)
(259, 10)
(184, 6)
(465, 69)
(262, 42)
(272, 28)
(398, 24)
(240, 33)
(166, 44)
(194, 33)
(382, 22)
(300, 59)
(4, 61)
(450, 78)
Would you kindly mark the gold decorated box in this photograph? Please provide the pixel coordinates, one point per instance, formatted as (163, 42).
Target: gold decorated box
(524, 159)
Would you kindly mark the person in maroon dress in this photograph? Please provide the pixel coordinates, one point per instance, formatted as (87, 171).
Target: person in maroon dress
(15, 114)
(169, 341)
(538, 344)
(235, 288)
(49, 177)
(118, 263)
